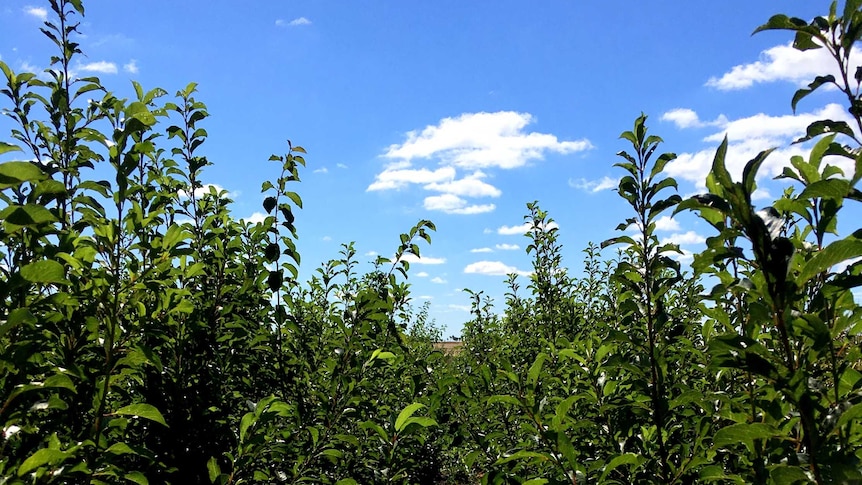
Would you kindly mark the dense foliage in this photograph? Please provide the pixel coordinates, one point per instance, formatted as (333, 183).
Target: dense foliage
(147, 335)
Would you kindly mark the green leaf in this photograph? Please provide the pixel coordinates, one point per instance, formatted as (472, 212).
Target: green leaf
(213, 469)
(617, 461)
(829, 188)
(142, 410)
(803, 92)
(26, 215)
(8, 147)
(788, 475)
(139, 111)
(405, 414)
(137, 477)
(836, 252)
(346, 481)
(120, 449)
(42, 457)
(17, 317)
(743, 432)
(852, 414)
(269, 204)
(536, 481)
(536, 369)
(45, 271)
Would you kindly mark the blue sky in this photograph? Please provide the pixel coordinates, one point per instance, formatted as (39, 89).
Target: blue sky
(458, 112)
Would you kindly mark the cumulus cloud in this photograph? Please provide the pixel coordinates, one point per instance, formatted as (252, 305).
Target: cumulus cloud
(480, 140)
(749, 136)
(689, 237)
(461, 151)
(470, 186)
(438, 280)
(131, 67)
(256, 217)
(299, 21)
(666, 223)
(205, 189)
(103, 67)
(482, 250)
(401, 177)
(38, 12)
(687, 118)
(594, 186)
(780, 63)
(507, 247)
(522, 229)
(493, 268)
(421, 274)
(452, 204)
(412, 259)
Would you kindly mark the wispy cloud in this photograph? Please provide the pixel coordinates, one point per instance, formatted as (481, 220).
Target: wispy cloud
(421, 274)
(481, 250)
(340, 165)
(493, 268)
(438, 280)
(38, 12)
(594, 186)
(321, 170)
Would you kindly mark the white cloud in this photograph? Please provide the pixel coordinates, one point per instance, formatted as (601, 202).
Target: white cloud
(321, 170)
(780, 63)
(776, 128)
(452, 204)
(761, 194)
(462, 308)
(421, 274)
(426, 297)
(749, 136)
(594, 186)
(471, 142)
(482, 250)
(689, 237)
(493, 268)
(470, 186)
(201, 191)
(371, 253)
(522, 229)
(507, 247)
(103, 67)
(280, 22)
(340, 165)
(480, 140)
(686, 118)
(399, 178)
(38, 12)
(666, 223)
(256, 217)
(131, 67)
(326, 238)
(438, 280)
(423, 260)
(299, 21)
